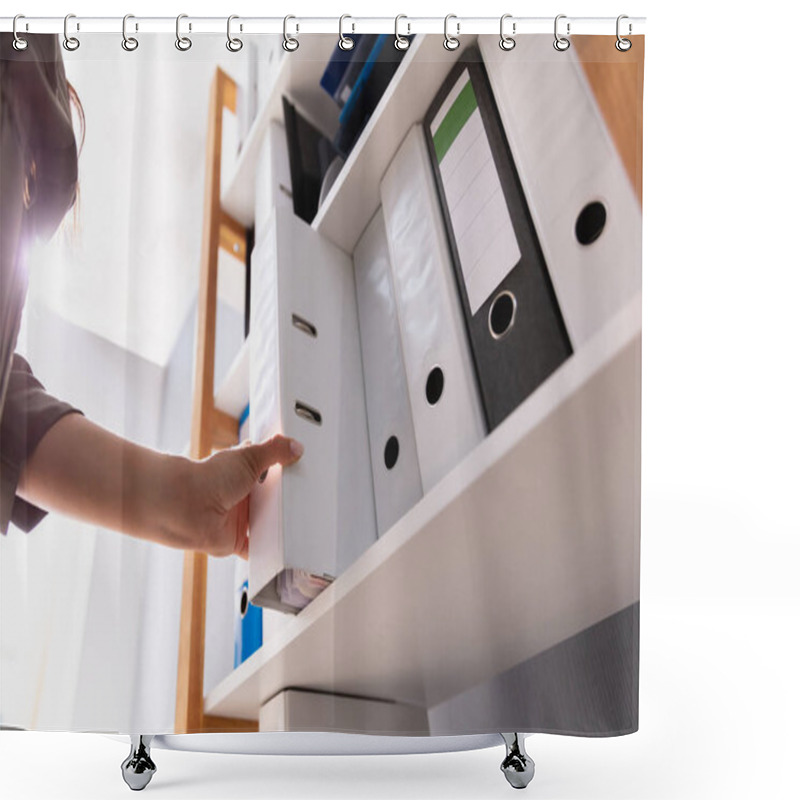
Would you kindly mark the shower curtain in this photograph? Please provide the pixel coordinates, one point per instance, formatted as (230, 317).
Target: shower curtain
(422, 264)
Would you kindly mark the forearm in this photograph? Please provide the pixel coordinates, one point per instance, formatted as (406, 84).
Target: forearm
(85, 471)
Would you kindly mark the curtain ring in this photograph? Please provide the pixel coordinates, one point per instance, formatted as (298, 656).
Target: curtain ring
(129, 43)
(561, 43)
(401, 42)
(290, 43)
(345, 42)
(233, 44)
(623, 45)
(183, 43)
(19, 43)
(451, 42)
(507, 42)
(71, 43)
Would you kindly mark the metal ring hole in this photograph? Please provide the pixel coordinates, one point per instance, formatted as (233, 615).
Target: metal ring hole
(402, 44)
(234, 45)
(20, 44)
(72, 44)
(508, 44)
(502, 313)
(561, 45)
(183, 44)
(290, 45)
(623, 45)
(130, 44)
(451, 44)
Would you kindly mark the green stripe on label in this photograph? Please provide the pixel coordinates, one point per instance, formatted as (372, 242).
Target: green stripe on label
(454, 121)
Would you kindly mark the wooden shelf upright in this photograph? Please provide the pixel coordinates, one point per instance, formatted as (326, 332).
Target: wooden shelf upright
(211, 428)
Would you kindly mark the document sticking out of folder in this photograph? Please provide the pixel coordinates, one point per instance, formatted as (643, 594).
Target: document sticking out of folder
(393, 448)
(317, 515)
(445, 404)
(516, 332)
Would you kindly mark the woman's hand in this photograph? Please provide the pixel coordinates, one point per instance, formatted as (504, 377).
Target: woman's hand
(84, 471)
(215, 511)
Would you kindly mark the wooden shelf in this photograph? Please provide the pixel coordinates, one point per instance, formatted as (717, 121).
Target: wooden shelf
(495, 540)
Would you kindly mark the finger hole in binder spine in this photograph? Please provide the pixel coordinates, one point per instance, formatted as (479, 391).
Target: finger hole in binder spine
(307, 413)
(304, 325)
(434, 386)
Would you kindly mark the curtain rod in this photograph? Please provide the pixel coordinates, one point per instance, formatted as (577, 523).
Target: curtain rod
(349, 24)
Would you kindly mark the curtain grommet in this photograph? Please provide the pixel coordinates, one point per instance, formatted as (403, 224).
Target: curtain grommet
(561, 43)
(290, 43)
(345, 42)
(507, 42)
(183, 43)
(71, 43)
(623, 45)
(451, 42)
(129, 43)
(401, 42)
(233, 44)
(19, 43)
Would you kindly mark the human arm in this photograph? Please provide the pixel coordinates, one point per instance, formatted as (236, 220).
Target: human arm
(83, 470)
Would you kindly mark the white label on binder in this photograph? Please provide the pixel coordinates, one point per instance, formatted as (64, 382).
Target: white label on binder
(484, 233)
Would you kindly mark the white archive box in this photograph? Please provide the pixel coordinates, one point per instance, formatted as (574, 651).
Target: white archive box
(570, 169)
(393, 447)
(445, 404)
(311, 520)
(301, 710)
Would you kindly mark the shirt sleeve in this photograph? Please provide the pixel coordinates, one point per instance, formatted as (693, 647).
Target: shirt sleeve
(28, 413)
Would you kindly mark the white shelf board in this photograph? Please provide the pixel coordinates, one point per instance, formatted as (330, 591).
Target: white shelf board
(234, 391)
(527, 541)
(355, 195)
(298, 78)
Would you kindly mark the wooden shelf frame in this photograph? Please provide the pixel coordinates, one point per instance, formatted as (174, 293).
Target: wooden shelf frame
(211, 428)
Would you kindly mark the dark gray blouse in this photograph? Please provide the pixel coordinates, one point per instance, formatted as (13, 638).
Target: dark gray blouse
(35, 120)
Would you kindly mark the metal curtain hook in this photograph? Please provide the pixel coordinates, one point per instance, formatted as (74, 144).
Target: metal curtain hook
(129, 43)
(70, 42)
(233, 44)
(345, 42)
(401, 42)
(561, 43)
(451, 42)
(507, 42)
(290, 43)
(623, 45)
(19, 43)
(183, 43)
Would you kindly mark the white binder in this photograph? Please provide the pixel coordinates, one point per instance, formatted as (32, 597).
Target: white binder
(566, 160)
(273, 182)
(393, 448)
(445, 405)
(306, 381)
